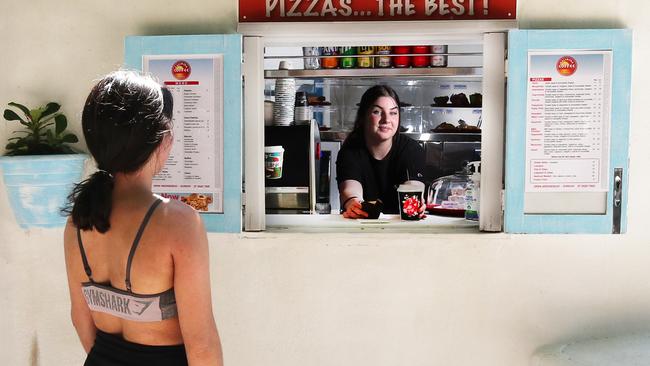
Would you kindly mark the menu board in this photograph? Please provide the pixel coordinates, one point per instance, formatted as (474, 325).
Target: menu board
(568, 121)
(193, 172)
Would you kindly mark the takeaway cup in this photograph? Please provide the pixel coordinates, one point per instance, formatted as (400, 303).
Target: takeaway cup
(410, 195)
(273, 156)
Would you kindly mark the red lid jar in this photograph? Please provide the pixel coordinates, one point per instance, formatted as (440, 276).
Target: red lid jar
(420, 61)
(401, 61)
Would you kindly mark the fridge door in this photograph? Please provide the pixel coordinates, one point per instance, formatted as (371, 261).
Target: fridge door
(567, 131)
(228, 50)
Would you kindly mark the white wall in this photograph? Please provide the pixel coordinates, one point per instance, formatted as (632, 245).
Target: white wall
(291, 299)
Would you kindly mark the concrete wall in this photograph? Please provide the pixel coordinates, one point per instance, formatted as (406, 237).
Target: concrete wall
(295, 299)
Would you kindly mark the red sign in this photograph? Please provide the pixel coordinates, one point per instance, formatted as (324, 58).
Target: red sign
(189, 82)
(566, 65)
(376, 10)
(181, 70)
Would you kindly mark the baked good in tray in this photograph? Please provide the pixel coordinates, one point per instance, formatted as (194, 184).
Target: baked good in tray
(440, 101)
(317, 100)
(444, 127)
(459, 100)
(450, 128)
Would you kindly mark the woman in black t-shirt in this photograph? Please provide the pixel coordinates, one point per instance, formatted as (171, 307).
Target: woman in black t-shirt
(375, 158)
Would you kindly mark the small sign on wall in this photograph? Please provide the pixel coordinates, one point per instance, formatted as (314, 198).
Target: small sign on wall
(373, 10)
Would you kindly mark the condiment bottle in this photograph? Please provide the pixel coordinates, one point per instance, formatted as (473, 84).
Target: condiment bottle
(472, 192)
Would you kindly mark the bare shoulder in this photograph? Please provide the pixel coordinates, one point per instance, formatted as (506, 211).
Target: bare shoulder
(179, 223)
(70, 236)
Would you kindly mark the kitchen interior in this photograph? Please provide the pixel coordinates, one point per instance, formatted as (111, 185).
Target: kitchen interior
(439, 87)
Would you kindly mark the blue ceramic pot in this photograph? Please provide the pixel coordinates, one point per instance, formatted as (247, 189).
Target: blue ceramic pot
(38, 186)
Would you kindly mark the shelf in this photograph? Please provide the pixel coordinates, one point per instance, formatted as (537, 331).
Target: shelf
(423, 136)
(376, 72)
(453, 107)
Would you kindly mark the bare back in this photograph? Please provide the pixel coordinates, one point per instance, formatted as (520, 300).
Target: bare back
(152, 269)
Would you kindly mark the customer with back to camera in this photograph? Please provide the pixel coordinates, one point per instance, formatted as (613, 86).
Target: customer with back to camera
(375, 158)
(137, 264)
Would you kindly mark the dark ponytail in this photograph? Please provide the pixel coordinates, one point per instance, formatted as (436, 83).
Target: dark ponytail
(92, 202)
(124, 120)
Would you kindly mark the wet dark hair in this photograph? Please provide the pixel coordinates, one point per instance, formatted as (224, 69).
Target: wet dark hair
(368, 99)
(124, 120)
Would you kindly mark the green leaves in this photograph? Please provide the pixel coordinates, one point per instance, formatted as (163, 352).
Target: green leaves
(61, 123)
(39, 138)
(69, 138)
(22, 108)
(50, 108)
(10, 115)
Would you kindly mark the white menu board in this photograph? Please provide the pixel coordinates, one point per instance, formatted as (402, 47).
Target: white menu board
(193, 172)
(568, 121)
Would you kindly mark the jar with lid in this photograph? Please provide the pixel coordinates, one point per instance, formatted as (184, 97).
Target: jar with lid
(439, 60)
(420, 61)
(402, 61)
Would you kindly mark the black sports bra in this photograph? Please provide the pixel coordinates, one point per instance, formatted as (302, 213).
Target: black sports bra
(126, 304)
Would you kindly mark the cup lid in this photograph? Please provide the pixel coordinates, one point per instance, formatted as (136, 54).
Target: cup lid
(271, 149)
(411, 185)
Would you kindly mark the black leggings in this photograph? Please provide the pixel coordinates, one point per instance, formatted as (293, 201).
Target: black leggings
(112, 350)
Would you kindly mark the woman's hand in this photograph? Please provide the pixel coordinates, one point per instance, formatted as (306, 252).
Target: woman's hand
(423, 208)
(353, 210)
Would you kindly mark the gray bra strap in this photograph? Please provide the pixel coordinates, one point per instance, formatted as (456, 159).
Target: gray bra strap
(136, 241)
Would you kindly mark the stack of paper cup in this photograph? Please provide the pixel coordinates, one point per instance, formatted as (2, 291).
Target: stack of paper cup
(285, 99)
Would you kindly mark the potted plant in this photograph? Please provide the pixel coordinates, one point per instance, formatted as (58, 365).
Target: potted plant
(39, 167)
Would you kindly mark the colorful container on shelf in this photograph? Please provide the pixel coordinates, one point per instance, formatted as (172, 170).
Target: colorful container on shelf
(38, 186)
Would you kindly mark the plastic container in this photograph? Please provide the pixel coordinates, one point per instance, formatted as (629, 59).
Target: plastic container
(349, 115)
(447, 194)
(326, 116)
(433, 116)
(411, 118)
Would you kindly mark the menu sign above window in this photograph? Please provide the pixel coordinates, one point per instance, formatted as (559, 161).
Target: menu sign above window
(373, 10)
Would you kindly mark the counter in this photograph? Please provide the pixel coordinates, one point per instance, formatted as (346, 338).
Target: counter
(388, 223)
